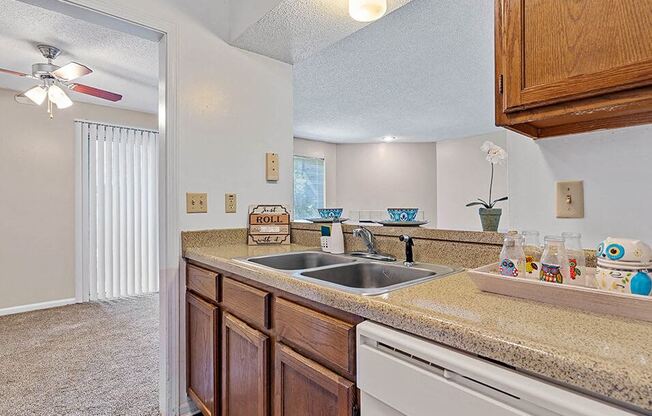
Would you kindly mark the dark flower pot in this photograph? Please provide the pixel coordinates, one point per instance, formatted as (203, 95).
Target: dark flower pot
(490, 218)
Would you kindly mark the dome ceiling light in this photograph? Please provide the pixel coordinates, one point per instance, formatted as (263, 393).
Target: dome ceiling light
(367, 10)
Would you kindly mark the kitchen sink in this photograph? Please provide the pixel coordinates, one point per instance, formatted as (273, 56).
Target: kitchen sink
(372, 278)
(360, 275)
(300, 260)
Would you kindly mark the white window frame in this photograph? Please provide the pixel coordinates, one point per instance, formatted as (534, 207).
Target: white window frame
(323, 159)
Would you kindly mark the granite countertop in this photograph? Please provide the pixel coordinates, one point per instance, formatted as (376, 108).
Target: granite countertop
(606, 355)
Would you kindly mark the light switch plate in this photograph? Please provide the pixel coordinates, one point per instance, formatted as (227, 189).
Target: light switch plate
(271, 166)
(196, 203)
(230, 203)
(570, 199)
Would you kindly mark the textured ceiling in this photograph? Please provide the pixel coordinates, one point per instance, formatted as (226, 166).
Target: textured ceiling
(122, 63)
(422, 73)
(296, 29)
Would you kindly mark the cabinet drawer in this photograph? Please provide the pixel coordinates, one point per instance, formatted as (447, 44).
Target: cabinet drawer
(201, 281)
(321, 337)
(246, 302)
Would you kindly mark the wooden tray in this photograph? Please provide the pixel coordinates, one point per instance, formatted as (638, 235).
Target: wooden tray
(487, 279)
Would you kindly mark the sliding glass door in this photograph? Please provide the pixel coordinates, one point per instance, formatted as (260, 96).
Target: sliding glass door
(120, 210)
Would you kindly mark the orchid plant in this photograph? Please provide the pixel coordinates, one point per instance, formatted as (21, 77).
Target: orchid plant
(495, 155)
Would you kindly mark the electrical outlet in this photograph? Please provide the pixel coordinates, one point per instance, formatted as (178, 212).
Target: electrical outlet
(272, 167)
(230, 203)
(196, 203)
(570, 199)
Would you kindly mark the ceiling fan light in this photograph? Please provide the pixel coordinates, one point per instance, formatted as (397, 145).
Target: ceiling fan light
(59, 97)
(367, 10)
(36, 94)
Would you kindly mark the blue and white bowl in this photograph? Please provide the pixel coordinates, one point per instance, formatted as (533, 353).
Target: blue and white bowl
(333, 213)
(402, 214)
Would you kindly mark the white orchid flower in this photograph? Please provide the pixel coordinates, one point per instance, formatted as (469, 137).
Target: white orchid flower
(495, 153)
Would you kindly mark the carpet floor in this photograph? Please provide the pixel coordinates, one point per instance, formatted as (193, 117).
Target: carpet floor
(98, 358)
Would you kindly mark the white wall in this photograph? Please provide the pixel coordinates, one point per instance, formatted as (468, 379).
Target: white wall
(234, 106)
(328, 152)
(232, 111)
(616, 166)
(383, 175)
(37, 197)
(463, 175)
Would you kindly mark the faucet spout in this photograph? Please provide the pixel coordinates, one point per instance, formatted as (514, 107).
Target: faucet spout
(367, 237)
(372, 252)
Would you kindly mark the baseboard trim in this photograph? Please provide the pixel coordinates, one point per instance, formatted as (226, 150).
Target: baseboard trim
(37, 306)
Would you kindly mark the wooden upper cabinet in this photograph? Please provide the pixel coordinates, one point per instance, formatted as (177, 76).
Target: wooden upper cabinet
(245, 380)
(566, 66)
(201, 353)
(303, 387)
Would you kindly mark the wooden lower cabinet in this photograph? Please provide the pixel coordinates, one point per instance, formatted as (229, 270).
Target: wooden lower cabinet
(245, 380)
(202, 358)
(303, 387)
(256, 351)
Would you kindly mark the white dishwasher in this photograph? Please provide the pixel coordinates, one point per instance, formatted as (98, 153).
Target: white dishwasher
(402, 375)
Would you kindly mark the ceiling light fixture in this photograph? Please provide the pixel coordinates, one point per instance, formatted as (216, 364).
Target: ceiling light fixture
(367, 10)
(54, 79)
(388, 139)
(36, 94)
(59, 97)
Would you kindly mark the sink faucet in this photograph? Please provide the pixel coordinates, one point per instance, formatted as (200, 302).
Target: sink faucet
(372, 252)
(409, 254)
(368, 238)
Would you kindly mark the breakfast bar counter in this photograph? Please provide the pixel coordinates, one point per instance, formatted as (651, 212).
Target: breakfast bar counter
(606, 356)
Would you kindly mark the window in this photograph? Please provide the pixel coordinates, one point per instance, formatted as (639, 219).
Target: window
(309, 187)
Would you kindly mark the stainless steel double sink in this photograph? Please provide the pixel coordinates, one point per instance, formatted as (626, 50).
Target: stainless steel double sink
(356, 275)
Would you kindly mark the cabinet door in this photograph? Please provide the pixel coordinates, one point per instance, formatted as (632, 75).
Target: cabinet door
(559, 50)
(303, 387)
(201, 353)
(245, 380)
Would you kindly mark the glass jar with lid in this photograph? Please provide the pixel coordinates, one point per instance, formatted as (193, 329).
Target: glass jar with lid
(554, 260)
(512, 258)
(532, 249)
(576, 259)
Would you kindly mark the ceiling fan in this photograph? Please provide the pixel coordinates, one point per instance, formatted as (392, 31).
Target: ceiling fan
(54, 79)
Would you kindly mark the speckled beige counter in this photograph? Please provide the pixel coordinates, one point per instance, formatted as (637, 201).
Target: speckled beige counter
(604, 355)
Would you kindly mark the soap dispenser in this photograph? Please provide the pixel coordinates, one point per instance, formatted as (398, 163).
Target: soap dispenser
(337, 238)
(326, 238)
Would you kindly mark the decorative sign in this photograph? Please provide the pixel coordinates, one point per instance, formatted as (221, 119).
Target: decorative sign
(268, 224)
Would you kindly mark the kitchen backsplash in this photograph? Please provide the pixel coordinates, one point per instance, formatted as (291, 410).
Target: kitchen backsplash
(468, 249)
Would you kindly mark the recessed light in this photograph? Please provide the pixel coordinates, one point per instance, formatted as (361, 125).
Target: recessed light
(389, 138)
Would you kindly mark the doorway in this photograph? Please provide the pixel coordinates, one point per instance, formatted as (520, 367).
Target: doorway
(112, 15)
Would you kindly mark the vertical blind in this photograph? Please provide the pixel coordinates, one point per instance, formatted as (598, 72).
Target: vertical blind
(120, 210)
(309, 186)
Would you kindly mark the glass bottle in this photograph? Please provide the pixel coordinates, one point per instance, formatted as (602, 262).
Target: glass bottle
(533, 251)
(512, 258)
(554, 260)
(576, 259)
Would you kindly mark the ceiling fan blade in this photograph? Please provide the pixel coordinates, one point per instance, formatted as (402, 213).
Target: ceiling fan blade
(71, 71)
(10, 72)
(96, 92)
